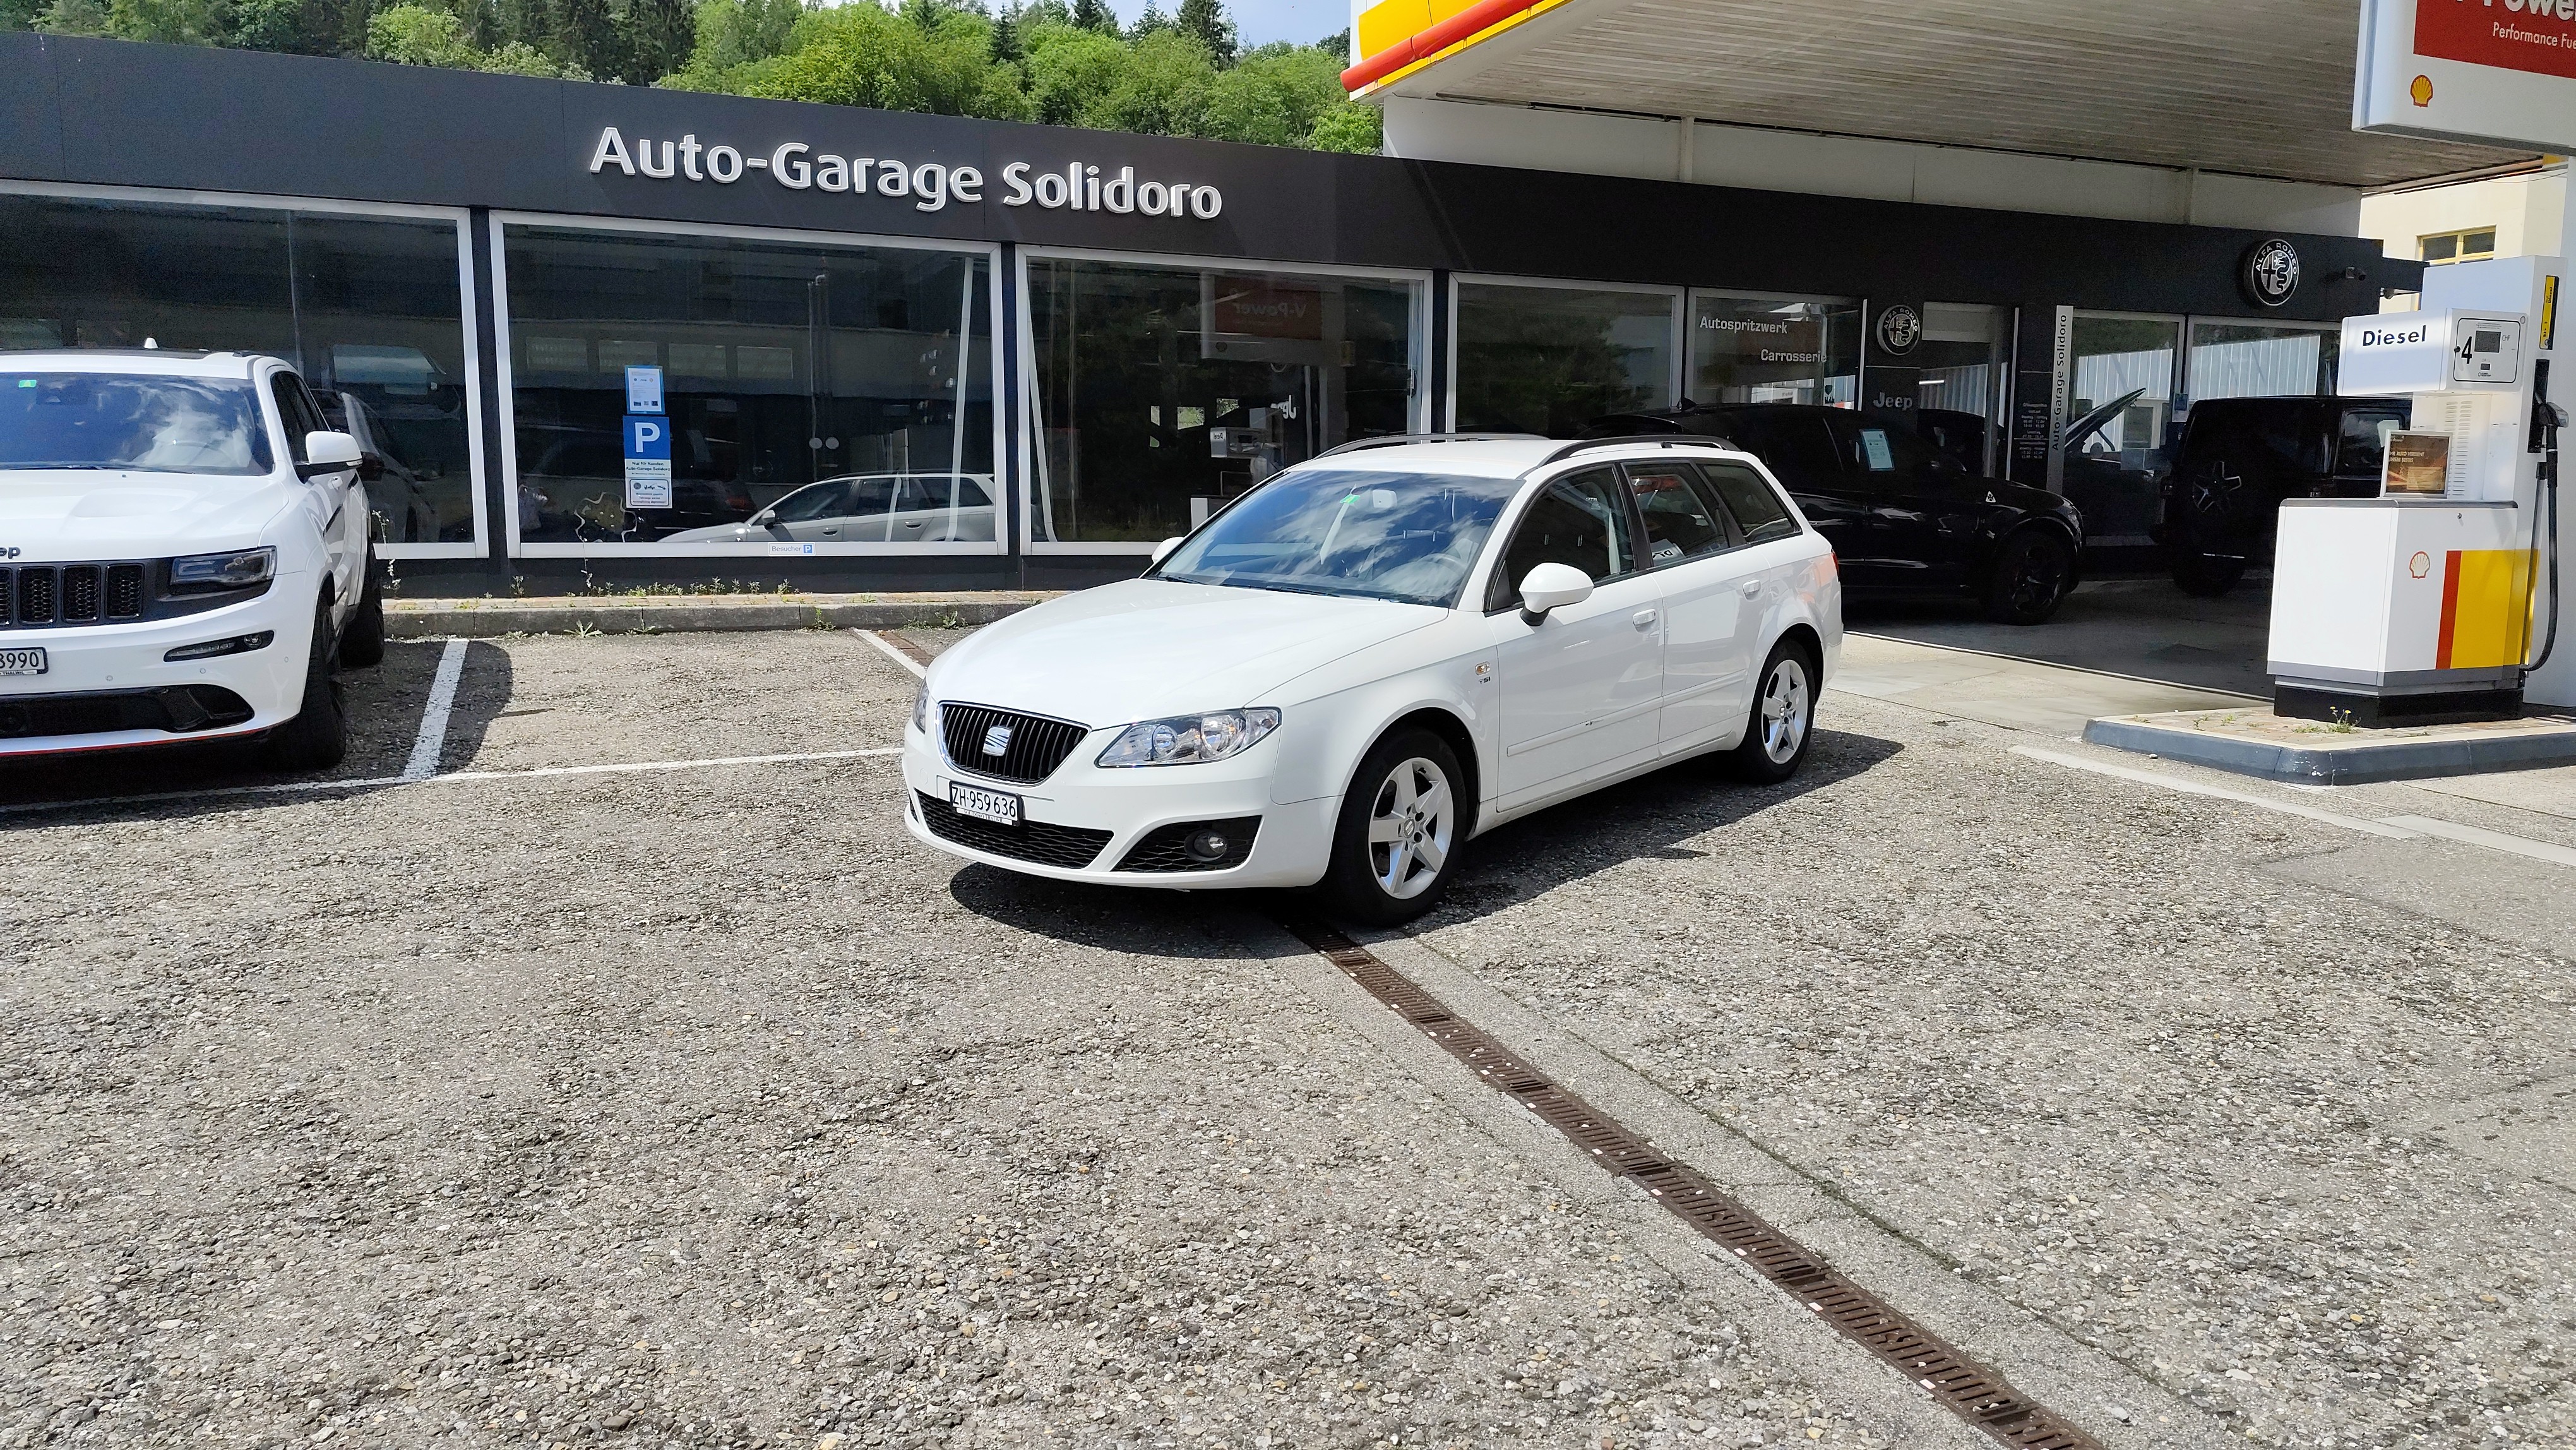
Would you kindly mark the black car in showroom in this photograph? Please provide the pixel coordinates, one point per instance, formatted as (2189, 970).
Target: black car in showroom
(2240, 457)
(1904, 516)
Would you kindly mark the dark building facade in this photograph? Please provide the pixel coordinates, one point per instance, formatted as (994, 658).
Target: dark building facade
(893, 351)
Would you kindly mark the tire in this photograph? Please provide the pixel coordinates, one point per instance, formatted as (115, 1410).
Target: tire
(362, 643)
(1406, 795)
(2205, 576)
(318, 737)
(1783, 722)
(2030, 578)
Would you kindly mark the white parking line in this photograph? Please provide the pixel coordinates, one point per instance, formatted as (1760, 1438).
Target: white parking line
(2492, 840)
(432, 739)
(919, 670)
(2193, 787)
(371, 782)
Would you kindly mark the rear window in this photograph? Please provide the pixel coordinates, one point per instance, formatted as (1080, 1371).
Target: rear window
(131, 421)
(1758, 511)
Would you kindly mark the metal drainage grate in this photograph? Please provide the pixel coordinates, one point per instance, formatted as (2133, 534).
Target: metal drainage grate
(1975, 1393)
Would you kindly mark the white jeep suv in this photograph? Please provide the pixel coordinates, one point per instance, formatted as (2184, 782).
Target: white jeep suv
(184, 555)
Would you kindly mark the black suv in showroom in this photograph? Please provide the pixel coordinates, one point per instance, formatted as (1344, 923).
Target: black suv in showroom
(1904, 516)
(2240, 457)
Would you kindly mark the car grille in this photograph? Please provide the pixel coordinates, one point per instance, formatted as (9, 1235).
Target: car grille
(1160, 849)
(36, 595)
(1037, 744)
(1071, 847)
(179, 710)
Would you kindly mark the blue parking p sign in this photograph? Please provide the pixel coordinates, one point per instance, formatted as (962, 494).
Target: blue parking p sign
(648, 461)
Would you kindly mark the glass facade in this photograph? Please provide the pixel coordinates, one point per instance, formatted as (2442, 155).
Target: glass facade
(2255, 360)
(1160, 392)
(368, 308)
(1549, 360)
(814, 394)
(1747, 349)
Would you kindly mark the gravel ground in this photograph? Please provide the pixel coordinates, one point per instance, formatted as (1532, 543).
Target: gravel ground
(705, 1108)
(2156, 1068)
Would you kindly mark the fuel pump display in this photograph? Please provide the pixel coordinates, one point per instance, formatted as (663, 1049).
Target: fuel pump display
(2422, 605)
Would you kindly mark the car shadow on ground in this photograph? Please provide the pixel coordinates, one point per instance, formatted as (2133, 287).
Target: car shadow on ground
(1653, 817)
(385, 706)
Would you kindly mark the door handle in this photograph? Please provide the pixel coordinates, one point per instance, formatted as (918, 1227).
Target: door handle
(1752, 588)
(1643, 619)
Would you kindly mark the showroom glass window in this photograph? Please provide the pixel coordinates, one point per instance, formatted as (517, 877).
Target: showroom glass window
(1549, 360)
(2260, 360)
(1161, 392)
(784, 364)
(1746, 349)
(369, 309)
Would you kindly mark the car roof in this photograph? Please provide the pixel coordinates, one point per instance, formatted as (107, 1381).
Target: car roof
(1497, 457)
(157, 361)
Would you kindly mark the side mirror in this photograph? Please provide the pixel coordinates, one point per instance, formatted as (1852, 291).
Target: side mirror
(764, 518)
(1164, 549)
(328, 452)
(1551, 585)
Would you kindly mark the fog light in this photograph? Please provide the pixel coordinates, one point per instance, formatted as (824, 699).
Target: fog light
(1207, 845)
(237, 645)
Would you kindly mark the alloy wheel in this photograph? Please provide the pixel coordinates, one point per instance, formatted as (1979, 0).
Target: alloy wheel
(1413, 822)
(1785, 705)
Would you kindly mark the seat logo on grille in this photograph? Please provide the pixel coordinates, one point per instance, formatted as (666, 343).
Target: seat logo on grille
(997, 740)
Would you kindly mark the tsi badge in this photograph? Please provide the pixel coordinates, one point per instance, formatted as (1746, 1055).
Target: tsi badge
(997, 740)
(1899, 329)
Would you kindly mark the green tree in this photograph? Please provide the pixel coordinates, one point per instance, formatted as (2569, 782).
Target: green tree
(1350, 127)
(732, 34)
(76, 17)
(271, 25)
(1095, 15)
(860, 55)
(1274, 96)
(418, 35)
(1205, 22)
(1069, 69)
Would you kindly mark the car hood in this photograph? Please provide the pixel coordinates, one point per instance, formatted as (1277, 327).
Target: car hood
(58, 515)
(1148, 648)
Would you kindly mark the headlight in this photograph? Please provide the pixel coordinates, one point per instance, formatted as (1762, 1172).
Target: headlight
(1190, 739)
(921, 708)
(230, 571)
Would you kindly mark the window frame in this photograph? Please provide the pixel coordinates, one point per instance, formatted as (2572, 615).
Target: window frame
(989, 252)
(1506, 533)
(467, 295)
(1730, 538)
(2459, 245)
(1025, 407)
(1676, 333)
(1779, 495)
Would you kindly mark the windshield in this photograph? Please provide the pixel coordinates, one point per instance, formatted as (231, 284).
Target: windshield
(116, 420)
(1408, 537)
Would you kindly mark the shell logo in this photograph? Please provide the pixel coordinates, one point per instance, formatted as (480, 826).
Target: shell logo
(2420, 565)
(2421, 93)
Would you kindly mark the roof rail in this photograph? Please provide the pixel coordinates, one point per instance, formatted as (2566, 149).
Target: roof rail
(1399, 440)
(1668, 440)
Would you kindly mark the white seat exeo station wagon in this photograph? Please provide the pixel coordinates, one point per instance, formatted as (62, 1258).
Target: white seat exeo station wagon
(1375, 655)
(184, 555)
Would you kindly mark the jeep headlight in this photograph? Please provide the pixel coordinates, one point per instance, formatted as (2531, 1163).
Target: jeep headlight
(1190, 739)
(236, 570)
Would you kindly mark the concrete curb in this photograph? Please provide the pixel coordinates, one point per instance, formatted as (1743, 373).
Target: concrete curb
(686, 614)
(2340, 764)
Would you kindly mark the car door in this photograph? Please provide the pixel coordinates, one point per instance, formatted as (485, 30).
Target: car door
(327, 496)
(1705, 594)
(1922, 519)
(1579, 690)
(828, 512)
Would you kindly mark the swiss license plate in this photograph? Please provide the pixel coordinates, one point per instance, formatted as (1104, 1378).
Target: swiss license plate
(22, 662)
(988, 805)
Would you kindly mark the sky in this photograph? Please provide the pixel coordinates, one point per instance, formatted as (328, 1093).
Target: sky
(1260, 22)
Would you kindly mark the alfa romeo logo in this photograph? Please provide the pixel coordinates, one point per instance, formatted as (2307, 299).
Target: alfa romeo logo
(2270, 275)
(1899, 329)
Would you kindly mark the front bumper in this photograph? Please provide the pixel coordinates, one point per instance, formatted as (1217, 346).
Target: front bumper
(1291, 848)
(114, 660)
